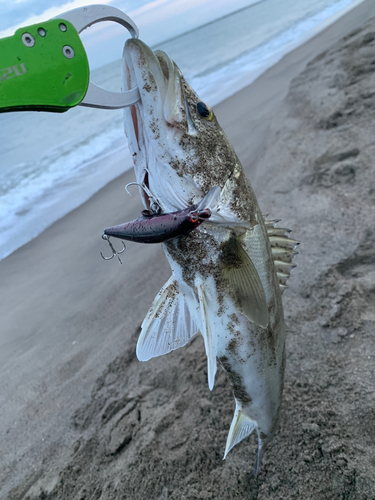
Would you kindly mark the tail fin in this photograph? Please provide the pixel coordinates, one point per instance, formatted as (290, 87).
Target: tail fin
(242, 426)
(262, 445)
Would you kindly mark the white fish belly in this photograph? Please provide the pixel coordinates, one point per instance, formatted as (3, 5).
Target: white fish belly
(254, 367)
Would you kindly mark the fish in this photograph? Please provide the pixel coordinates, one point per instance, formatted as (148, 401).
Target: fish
(229, 273)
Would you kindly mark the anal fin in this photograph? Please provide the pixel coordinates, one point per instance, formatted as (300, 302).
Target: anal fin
(241, 427)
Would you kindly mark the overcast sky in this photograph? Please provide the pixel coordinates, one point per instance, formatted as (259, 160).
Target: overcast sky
(157, 20)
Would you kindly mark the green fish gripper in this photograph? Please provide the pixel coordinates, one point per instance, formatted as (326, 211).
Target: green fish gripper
(43, 67)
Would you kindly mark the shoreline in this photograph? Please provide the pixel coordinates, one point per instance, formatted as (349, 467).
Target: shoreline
(56, 210)
(70, 320)
(263, 95)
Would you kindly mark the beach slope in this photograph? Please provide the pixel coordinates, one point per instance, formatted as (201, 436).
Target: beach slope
(82, 418)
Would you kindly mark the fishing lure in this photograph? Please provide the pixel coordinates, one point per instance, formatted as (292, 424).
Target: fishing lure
(157, 228)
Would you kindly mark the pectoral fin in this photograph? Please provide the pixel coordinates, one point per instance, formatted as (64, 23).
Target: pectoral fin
(245, 287)
(168, 324)
(211, 199)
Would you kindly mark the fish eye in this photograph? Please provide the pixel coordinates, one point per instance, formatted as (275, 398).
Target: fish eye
(204, 111)
(193, 217)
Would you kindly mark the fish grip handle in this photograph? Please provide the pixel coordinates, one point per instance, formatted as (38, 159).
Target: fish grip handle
(43, 67)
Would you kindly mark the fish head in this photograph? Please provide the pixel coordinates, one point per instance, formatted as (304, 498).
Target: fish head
(179, 150)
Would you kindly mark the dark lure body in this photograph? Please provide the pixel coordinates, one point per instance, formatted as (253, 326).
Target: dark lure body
(154, 228)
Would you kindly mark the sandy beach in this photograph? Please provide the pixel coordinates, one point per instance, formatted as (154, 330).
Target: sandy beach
(82, 418)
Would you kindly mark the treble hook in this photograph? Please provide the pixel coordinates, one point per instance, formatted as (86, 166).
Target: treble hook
(114, 252)
(155, 204)
(132, 184)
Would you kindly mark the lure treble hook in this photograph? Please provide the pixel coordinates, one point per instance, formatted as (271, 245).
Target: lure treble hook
(155, 204)
(114, 252)
(132, 184)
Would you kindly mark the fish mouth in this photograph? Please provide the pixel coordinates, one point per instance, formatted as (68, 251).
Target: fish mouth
(158, 79)
(155, 124)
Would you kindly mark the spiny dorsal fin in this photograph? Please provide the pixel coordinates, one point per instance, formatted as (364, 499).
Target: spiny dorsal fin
(283, 277)
(283, 251)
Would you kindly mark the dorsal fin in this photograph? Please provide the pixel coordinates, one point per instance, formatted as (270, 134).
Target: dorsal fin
(283, 250)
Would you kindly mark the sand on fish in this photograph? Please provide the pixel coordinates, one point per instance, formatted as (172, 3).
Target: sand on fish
(82, 418)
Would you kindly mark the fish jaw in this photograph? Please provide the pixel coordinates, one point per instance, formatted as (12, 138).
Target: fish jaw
(178, 155)
(154, 127)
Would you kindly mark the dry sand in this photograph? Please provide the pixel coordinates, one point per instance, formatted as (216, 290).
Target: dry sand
(81, 418)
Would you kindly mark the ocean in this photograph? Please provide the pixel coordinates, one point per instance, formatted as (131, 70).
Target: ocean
(48, 162)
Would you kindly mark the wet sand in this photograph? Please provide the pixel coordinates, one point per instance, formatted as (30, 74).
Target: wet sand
(82, 418)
